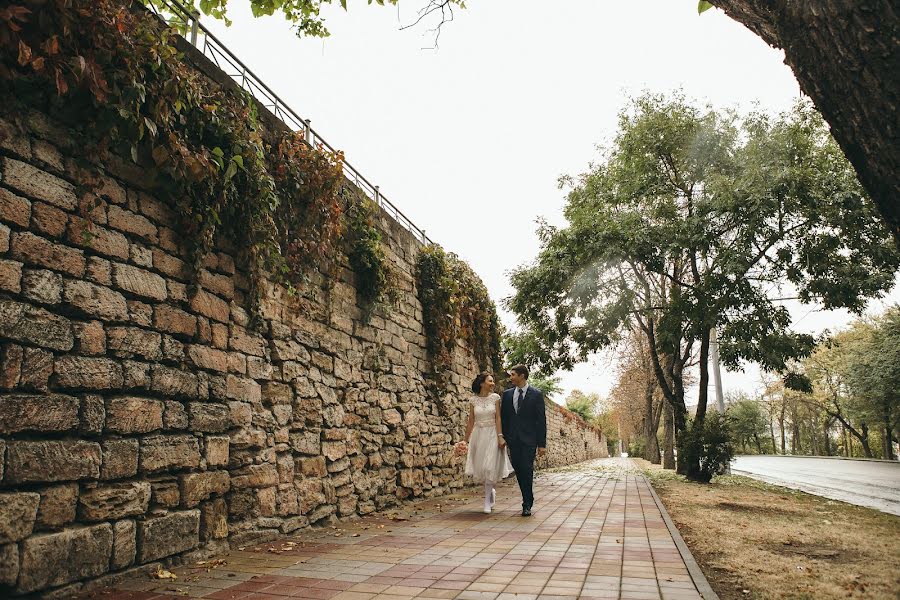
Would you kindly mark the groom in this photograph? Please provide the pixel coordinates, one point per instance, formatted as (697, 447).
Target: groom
(524, 430)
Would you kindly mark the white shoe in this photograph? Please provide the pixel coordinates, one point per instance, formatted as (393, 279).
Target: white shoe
(487, 510)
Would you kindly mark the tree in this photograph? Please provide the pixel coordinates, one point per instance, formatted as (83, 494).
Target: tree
(873, 374)
(637, 393)
(583, 405)
(549, 386)
(721, 209)
(844, 55)
(827, 368)
(748, 422)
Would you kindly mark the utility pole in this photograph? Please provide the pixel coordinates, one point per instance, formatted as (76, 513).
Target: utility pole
(717, 371)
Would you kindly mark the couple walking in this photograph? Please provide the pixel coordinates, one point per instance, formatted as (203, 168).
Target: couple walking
(517, 423)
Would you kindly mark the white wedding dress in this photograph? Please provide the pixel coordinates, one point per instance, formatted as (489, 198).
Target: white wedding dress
(485, 461)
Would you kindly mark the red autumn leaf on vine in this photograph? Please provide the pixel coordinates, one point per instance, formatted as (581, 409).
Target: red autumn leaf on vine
(38, 64)
(61, 86)
(52, 45)
(24, 53)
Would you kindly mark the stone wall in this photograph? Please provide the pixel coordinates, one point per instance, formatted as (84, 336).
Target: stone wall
(570, 439)
(141, 423)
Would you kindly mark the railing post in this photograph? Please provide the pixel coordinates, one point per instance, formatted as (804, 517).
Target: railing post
(195, 26)
(308, 132)
(377, 196)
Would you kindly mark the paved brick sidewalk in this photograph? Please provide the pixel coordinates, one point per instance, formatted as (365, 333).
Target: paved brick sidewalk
(596, 533)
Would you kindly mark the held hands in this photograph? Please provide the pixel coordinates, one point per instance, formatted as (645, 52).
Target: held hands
(501, 443)
(541, 451)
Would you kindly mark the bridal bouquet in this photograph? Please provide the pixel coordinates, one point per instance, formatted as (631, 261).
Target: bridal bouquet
(461, 448)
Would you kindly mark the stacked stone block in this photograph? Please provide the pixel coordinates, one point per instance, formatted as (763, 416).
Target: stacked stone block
(142, 419)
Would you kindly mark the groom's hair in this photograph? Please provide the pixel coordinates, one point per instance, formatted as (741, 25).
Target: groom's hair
(521, 370)
(476, 383)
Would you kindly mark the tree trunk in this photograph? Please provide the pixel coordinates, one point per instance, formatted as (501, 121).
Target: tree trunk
(864, 439)
(693, 471)
(772, 433)
(844, 55)
(668, 437)
(781, 427)
(651, 425)
(795, 431)
(758, 444)
(888, 445)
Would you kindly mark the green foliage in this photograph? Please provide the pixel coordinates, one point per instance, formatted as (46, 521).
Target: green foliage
(456, 305)
(703, 6)
(687, 223)
(303, 15)
(855, 379)
(275, 196)
(689, 220)
(374, 278)
(708, 445)
(584, 405)
(548, 385)
(748, 424)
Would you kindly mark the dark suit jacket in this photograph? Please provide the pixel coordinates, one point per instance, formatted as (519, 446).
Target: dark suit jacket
(529, 427)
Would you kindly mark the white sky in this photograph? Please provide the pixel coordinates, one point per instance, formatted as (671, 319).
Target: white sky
(469, 140)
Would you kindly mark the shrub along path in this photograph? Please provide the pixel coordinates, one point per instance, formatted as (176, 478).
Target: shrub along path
(597, 532)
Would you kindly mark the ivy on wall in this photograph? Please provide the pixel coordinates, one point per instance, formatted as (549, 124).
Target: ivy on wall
(456, 305)
(374, 282)
(117, 72)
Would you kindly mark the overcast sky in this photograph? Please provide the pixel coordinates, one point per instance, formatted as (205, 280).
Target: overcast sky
(469, 139)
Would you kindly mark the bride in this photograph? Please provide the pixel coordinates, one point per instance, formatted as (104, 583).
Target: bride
(486, 459)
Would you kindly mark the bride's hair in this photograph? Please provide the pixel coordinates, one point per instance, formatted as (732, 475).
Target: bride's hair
(476, 383)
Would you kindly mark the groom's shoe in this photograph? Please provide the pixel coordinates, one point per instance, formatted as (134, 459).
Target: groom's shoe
(526, 511)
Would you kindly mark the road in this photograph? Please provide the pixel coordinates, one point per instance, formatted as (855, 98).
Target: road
(874, 484)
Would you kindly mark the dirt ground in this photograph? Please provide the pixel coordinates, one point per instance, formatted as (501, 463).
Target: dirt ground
(755, 540)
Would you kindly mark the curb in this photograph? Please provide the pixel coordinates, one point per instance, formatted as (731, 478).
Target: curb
(860, 458)
(700, 582)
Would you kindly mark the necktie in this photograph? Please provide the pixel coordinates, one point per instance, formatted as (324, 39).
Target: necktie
(519, 395)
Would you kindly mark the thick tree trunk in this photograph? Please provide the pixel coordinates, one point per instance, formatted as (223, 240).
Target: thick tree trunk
(668, 437)
(693, 468)
(844, 54)
(864, 439)
(651, 424)
(772, 433)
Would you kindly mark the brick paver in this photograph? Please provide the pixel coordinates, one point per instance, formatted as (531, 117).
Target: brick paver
(596, 532)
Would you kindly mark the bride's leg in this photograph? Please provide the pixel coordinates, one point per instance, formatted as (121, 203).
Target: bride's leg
(488, 496)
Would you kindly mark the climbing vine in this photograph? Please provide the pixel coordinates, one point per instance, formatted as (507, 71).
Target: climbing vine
(456, 305)
(274, 194)
(375, 281)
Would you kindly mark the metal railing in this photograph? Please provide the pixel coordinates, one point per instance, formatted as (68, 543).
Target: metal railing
(188, 21)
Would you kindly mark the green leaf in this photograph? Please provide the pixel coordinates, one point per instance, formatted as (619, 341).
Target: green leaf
(218, 152)
(703, 6)
(239, 160)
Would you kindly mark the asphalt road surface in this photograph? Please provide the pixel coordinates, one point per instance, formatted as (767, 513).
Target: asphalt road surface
(875, 484)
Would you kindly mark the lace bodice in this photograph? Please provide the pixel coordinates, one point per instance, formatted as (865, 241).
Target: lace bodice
(485, 410)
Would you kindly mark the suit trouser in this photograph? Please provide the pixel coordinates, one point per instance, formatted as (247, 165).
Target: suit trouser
(522, 459)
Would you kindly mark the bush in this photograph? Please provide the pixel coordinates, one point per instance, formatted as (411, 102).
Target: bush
(706, 450)
(637, 445)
